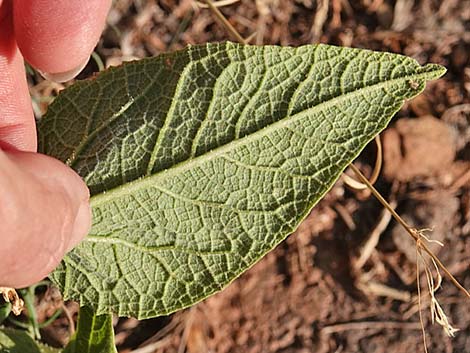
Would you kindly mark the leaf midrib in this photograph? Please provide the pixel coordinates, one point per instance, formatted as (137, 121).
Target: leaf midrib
(148, 180)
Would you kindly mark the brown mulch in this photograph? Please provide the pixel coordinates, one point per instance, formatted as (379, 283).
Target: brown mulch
(309, 294)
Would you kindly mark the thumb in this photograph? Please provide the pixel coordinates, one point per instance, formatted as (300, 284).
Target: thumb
(44, 212)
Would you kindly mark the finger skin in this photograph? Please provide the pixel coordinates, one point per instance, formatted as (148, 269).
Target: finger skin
(44, 212)
(58, 36)
(3, 9)
(17, 126)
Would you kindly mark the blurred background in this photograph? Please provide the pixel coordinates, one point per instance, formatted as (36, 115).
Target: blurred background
(322, 290)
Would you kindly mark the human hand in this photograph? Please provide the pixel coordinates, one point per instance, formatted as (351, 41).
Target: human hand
(44, 205)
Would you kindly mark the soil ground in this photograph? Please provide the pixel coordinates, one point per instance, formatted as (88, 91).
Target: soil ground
(314, 293)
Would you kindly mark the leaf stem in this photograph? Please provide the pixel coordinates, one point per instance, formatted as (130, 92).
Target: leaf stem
(23, 325)
(411, 231)
(28, 297)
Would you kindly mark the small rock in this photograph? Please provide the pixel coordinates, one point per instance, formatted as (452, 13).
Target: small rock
(419, 147)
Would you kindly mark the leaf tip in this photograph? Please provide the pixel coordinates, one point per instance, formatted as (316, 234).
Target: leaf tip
(433, 71)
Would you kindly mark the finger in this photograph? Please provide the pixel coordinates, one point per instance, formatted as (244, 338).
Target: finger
(3, 10)
(57, 37)
(17, 127)
(44, 213)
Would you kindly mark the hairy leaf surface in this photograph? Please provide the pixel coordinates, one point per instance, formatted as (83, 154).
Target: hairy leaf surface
(201, 161)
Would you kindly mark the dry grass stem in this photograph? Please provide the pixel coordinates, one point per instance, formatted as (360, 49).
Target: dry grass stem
(345, 216)
(225, 23)
(319, 20)
(381, 290)
(434, 281)
(357, 185)
(414, 233)
(251, 37)
(374, 237)
(220, 3)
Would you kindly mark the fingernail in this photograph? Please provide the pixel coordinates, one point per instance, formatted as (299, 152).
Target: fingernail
(81, 226)
(64, 76)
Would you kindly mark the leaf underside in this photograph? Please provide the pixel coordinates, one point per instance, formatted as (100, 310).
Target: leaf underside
(201, 161)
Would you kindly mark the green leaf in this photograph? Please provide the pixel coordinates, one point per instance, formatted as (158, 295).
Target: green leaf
(95, 333)
(18, 341)
(47, 349)
(203, 160)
